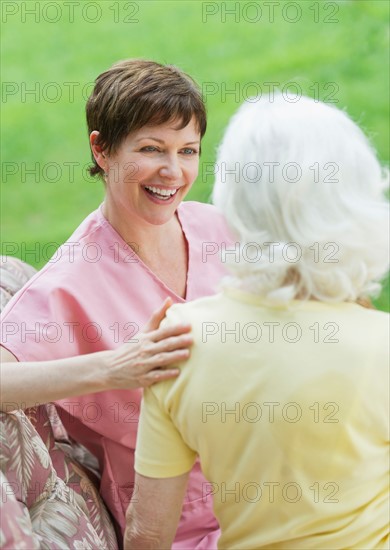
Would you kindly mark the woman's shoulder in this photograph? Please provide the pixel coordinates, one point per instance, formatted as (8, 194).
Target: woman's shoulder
(70, 267)
(93, 224)
(198, 310)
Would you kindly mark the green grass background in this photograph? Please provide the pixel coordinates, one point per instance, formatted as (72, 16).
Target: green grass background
(337, 48)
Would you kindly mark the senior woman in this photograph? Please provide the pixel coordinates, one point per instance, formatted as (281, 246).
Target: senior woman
(292, 426)
(74, 326)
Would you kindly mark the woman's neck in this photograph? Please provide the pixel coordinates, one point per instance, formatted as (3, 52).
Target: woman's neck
(145, 239)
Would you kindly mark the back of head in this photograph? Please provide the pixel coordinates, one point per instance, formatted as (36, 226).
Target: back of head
(302, 183)
(136, 93)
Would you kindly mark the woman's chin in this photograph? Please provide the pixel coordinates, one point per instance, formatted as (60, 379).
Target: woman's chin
(161, 214)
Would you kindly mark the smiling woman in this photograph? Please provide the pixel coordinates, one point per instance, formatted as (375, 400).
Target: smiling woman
(145, 122)
(149, 158)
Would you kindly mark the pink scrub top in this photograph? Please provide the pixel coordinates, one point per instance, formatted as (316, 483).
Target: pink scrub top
(94, 294)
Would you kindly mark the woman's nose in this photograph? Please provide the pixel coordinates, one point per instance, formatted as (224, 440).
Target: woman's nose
(171, 168)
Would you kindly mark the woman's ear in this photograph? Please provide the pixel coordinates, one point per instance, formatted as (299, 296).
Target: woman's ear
(97, 150)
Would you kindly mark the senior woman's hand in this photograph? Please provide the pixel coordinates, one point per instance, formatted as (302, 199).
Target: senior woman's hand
(135, 365)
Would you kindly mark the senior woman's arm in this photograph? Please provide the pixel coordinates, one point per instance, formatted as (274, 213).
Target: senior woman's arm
(130, 366)
(154, 512)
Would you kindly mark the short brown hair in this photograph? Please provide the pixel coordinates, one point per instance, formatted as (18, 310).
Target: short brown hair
(136, 93)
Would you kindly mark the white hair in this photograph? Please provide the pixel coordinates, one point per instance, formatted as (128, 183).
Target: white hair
(303, 173)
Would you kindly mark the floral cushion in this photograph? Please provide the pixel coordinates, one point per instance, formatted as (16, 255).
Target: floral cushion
(57, 517)
(16, 530)
(13, 275)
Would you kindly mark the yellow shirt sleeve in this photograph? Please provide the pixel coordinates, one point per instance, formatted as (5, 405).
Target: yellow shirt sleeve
(160, 451)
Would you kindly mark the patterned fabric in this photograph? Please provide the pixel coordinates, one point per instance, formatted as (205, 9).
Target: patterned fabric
(13, 275)
(57, 516)
(48, 498)
(16, 530)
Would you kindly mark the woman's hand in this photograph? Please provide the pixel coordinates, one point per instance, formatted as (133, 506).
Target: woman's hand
(140, 364)
(128, 367)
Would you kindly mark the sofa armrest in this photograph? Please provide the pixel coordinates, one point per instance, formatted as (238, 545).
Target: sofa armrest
(60, 517)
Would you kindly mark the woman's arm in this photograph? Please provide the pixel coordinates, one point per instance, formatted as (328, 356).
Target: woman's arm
(154, 512)
(128, 367)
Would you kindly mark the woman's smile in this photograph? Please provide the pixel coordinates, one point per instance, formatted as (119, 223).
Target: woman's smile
(161, 194)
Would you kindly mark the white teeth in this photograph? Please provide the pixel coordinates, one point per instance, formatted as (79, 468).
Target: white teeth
(161, 192)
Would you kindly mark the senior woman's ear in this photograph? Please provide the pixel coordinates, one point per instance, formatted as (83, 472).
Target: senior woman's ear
(97, 150)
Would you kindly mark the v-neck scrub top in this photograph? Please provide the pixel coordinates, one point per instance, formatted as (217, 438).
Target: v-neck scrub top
(93, 295)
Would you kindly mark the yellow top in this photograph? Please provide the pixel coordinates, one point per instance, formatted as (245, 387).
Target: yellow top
(288, 410)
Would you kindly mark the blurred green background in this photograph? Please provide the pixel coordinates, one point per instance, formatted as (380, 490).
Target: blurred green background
(53, 51)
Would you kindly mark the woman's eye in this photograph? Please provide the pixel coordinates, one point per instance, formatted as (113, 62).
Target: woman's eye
(149, 149)
(189, 151)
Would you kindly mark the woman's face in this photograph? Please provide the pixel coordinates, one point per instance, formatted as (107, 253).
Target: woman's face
(152, 171)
